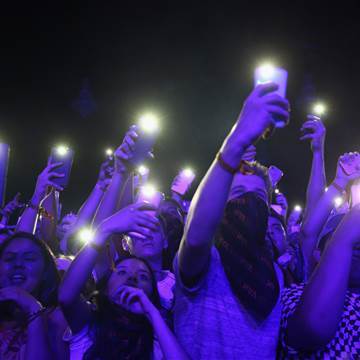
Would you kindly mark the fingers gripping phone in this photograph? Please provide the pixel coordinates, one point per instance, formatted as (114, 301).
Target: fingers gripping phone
(65, 156)
(150, 195)
(183, 182)
(147, 131)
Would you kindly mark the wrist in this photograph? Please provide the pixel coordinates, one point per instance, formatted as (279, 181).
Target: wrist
(232, 154)
(340, 184)
(36, 199)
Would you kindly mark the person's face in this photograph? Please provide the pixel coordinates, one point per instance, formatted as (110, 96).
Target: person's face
(65, 225)
(149, 248)
(22, 265)
(276, 234)
(130, 272)
(248, 183)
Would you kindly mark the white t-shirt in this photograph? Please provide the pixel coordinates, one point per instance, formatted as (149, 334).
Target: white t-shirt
(210, 323)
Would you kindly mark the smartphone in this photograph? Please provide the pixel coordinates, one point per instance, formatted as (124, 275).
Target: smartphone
(355, 194)
(268, 73)
(183, 182)
(277, 208)
(144, 144)
(150, 196)
(64, 156)
(351, 166)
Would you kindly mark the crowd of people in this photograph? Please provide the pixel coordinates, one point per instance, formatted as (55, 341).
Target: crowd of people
(234, 275)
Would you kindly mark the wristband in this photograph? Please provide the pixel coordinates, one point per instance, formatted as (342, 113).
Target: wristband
(224, 165)
(339, 188)
(35, 315)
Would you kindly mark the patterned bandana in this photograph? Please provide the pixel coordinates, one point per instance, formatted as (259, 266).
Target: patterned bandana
(246, 258)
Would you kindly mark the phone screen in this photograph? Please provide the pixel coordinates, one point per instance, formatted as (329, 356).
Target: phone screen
(66, 158)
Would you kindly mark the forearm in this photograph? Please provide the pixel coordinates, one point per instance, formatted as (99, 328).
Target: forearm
(205, 214)
(48, 223)
(88, 209)
(127, 195)
(315, 221)
(169, 344)
(110, 200)
(79, 272)
(29, 218)
(316, 320)
(37, 345)
(317, 181)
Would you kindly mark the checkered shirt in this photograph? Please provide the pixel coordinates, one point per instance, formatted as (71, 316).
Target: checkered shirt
(346, 342)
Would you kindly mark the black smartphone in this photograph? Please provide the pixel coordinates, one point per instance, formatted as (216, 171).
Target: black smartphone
(65, 156)
(144, 143)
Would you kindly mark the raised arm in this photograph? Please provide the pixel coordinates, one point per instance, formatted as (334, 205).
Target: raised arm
(131, 218)
(317, 317)
(28, 220)
(318, 215)
(315, 131)
(111, 200)
(208, 204)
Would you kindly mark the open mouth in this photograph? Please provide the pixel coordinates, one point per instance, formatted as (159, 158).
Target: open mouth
(17, 279)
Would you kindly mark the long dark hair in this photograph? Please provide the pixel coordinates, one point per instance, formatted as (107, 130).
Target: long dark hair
(117, 333)
(48, 287)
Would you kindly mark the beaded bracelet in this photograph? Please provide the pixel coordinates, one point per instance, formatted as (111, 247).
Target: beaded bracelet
(223, 164)
(35, 315)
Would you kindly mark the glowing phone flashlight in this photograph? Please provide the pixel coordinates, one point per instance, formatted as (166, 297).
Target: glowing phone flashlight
(86, 235)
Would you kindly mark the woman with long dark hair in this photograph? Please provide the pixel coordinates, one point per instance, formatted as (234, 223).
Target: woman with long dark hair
(126, 322)
(30, 323)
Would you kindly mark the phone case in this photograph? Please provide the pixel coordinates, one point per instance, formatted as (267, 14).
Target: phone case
(278, 76)
(183, 183)
(144, 144)
(64, 169)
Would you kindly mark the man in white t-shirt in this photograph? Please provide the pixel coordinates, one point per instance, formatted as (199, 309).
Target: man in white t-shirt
(227, 285)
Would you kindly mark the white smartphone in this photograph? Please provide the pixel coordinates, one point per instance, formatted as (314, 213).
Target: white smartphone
(267, 73)
(183, 182)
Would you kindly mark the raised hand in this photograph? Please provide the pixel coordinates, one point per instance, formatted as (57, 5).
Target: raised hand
(105, 174)
(313, 129)
(258, 113)
(45, 180)
(12, 206)
(125, 151)
(133, 218)
(275, 175)
(343, 177)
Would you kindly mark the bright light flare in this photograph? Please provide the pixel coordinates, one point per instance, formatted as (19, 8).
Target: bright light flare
(143, 170)
(188, 172)
(277, 191)
(319, 109)
(62, 150)
(86, 235)
(109, 152)
(338, 201)
(266, 71)
(149, 123)
(148, 191)
(297, 208)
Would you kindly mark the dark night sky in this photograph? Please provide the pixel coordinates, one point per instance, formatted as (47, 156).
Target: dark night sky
(193, 65)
